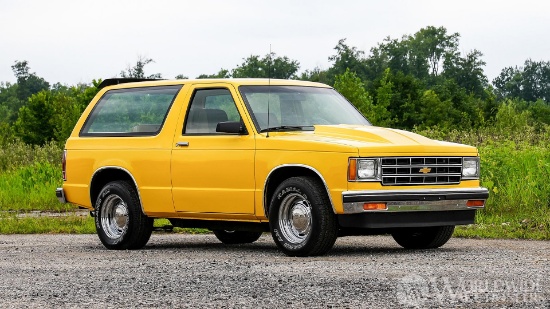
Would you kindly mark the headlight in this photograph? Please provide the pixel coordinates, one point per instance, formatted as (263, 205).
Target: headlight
(470, 168)
(364, 170)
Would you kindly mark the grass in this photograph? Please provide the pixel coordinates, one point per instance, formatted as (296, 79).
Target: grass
(29, 176)
(519, 203)
(32, 187)
(71, 224)
(508, 230)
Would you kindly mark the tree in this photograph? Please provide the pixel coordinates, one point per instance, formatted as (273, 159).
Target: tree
(181, 76)
(9, 102)
(536, 80)
(540, 112)
(6, 134)
(420, 55)
(351, 87)
(530, 82)
(8, 111)
(470, 110)
(467, 72)
(223, 73)
(269, 66)
(346, 58)
(400, 95)
(68, 104)
(34, 125)
(436, 113)
(316, 75)
(27, 83)
(138, 70)
(384, 95)
(432, 45)
(427, 70)
(509, 83)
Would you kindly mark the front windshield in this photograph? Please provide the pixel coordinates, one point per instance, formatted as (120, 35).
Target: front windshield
(298, 107)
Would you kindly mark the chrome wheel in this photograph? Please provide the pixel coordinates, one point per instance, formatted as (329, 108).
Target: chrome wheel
(114, 216)
(295, 218)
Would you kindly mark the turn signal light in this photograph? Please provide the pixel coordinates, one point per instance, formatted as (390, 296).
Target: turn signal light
(375, 206)
(475, 203)
(352, 169)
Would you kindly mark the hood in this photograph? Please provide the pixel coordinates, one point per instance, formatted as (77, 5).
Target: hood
(370, 140)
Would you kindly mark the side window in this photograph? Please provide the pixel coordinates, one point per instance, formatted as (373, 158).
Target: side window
(208, 108)
(134, 111)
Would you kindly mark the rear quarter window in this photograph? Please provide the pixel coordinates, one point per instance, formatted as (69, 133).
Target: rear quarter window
(130, 112)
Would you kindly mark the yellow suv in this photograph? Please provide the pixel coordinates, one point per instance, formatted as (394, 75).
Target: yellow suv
(246, 156)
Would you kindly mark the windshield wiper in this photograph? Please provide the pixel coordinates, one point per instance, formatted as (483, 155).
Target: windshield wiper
(288, 128)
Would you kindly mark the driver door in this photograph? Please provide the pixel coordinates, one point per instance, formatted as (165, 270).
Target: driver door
(212, 172)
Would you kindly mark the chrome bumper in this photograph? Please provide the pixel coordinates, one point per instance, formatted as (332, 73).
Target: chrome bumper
(413, 200)
(60, 195)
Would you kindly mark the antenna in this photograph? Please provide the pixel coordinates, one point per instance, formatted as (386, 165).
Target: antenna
(268, 88)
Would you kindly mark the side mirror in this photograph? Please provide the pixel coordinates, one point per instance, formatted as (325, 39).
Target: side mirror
(235, 127)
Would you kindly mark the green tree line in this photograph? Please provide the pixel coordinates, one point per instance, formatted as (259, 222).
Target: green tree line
(420, 81)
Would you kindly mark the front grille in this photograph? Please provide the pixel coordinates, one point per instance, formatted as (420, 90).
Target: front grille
(405, 171)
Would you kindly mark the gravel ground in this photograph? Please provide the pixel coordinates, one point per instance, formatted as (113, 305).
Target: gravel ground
(175, 270)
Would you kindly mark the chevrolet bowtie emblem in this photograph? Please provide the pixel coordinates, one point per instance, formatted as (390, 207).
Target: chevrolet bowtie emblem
(425, 170)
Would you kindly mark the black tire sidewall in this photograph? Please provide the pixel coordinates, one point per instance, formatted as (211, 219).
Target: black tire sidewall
(115, 188)
(299, 186)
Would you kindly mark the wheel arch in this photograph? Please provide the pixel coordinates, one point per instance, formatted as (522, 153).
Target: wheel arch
(285, 171)
(107, 174)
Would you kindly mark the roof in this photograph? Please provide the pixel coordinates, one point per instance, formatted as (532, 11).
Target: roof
(132, 82)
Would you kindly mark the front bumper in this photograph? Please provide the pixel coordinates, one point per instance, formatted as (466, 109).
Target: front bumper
(413, 200)
(410, 208)
(60, 193)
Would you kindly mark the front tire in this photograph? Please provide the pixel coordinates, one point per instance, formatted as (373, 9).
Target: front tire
(119, 220)
(423, 238)
(301, 218)
(236, 237)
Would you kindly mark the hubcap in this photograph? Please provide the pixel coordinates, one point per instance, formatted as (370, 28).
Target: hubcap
(295, 218)
(114, 216)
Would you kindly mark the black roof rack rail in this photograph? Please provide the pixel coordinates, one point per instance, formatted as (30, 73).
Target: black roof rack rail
(116, 81)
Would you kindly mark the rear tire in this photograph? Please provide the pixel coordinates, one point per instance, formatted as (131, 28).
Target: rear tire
(301, 219)
(119, 220)
(423, 238)
(236, 237)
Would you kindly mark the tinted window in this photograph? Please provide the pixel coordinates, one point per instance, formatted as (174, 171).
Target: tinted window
(135, 111)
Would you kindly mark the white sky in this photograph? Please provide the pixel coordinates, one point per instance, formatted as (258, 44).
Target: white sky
(76, 41)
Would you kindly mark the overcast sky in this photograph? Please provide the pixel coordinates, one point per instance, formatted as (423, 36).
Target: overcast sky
(77, 41)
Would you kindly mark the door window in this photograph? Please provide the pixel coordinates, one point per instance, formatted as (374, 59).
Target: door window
(208, 108)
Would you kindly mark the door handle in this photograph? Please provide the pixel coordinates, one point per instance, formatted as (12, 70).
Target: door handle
(182, 144)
